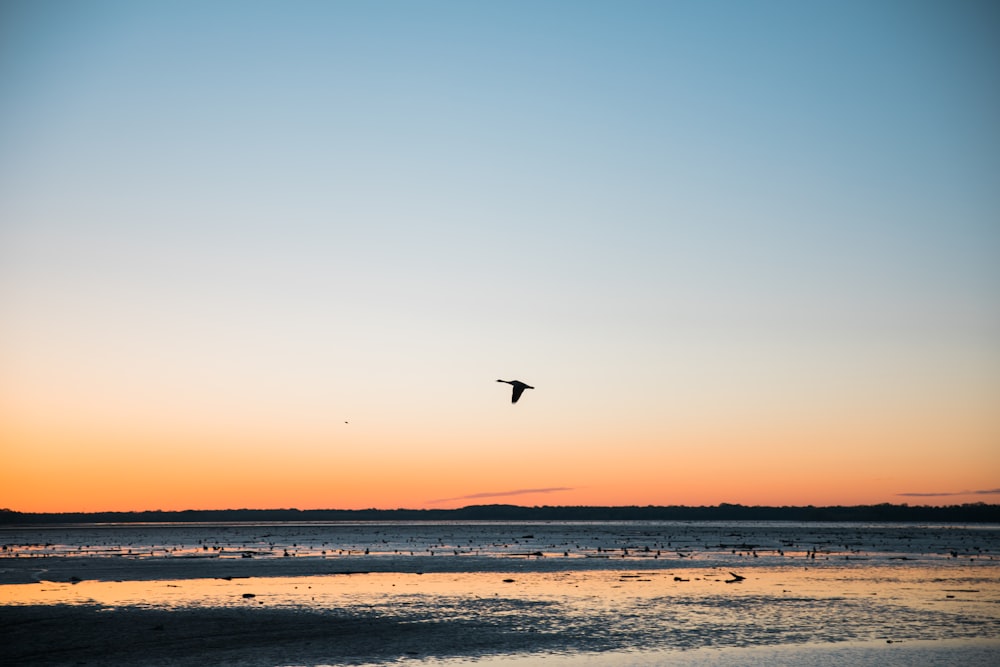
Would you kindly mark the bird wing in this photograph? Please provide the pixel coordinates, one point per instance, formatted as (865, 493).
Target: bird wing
(518, 390)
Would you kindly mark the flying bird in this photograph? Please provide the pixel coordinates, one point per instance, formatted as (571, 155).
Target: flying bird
(519, 388)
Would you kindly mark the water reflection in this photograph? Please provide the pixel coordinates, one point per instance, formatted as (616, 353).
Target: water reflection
(969, 589)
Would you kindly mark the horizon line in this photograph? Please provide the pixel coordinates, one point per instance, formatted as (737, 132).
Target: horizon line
(718, 506)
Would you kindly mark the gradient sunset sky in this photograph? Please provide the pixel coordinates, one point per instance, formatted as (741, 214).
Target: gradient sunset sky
(276, 254)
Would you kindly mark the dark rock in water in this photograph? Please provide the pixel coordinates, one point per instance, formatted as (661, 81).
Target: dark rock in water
(508, 581)
(249, 595)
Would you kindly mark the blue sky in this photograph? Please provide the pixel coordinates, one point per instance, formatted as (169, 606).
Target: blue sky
(667, 214)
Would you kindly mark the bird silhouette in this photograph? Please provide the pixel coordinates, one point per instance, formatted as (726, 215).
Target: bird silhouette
(519, 388)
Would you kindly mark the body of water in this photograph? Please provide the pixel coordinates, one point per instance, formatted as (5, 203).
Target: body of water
(621, 592)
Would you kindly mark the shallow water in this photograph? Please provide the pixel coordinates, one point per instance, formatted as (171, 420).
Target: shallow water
(975, 653)
(630, 540)
(605, 608)
(608, 593)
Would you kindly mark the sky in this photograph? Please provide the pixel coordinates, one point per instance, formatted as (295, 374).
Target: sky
(277, 254)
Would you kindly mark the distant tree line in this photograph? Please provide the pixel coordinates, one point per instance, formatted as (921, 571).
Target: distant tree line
(966, 513)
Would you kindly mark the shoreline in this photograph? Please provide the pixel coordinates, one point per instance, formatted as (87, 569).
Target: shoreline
(970, 513)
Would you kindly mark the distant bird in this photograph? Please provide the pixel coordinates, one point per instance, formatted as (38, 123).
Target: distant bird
(519, 388)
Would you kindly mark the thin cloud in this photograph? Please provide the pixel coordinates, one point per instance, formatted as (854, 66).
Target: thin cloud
(500, 494)
(980, 492)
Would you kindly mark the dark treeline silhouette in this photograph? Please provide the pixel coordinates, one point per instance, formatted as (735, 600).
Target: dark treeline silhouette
(967, 513)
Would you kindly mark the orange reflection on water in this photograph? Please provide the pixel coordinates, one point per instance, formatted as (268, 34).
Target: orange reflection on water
(971, 589)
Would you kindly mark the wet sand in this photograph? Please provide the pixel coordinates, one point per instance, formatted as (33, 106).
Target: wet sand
(62, 605)
(664, 617)
(93, 635)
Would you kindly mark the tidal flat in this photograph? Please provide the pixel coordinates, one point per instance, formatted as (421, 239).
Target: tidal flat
(519, 593)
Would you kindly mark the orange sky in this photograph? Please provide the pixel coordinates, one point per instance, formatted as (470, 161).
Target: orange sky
(65, 463)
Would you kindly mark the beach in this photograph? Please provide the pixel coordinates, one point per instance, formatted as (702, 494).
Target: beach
(619, 593)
